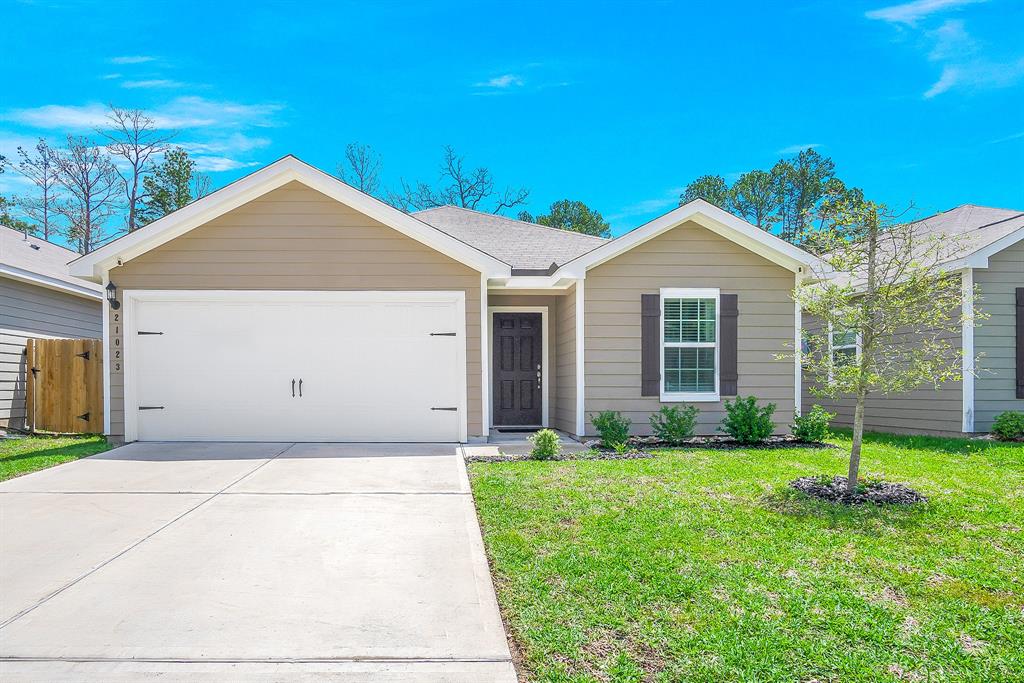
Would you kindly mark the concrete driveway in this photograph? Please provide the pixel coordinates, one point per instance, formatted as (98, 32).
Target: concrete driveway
(248, 562)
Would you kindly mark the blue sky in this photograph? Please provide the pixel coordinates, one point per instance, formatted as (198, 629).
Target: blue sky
(616, 104)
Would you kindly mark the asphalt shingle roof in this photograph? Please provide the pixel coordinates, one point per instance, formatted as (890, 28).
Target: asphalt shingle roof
(520, 244)
(973, 227)
(40, 257)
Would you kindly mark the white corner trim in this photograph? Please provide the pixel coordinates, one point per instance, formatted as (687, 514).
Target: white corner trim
(689, 293)
(967, 349)
(22, 275)
(708, 216)
(485, 360)
(105, 313)
(281, 172)
(545, 414)
(798, 349)
(979, 259)
(581, 418)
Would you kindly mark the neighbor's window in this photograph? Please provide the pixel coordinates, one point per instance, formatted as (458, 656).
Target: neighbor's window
(844, 347)
(689, 344)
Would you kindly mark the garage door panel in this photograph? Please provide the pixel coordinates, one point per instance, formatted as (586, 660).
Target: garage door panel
(370, 370)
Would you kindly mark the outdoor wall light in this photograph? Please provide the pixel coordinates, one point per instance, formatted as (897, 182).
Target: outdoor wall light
(112, 296)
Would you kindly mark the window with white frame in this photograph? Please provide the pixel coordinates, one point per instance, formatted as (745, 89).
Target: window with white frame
(689, 344)
(844, 347)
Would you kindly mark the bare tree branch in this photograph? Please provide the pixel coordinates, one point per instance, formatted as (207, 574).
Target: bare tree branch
(134, 136)
(92, 183)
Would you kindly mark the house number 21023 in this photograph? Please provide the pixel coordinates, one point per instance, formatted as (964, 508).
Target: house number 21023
(116, 340)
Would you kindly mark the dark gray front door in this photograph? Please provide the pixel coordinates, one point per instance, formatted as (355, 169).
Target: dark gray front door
(517, 371)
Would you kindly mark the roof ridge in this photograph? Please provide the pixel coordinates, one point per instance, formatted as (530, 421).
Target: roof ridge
(515, 220)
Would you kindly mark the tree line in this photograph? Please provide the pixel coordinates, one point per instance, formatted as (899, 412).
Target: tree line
(128, 170)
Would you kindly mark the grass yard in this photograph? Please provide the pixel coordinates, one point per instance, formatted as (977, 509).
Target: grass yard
(21, 456)
(703, 566)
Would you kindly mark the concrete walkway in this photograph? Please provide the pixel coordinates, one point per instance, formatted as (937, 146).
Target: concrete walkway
(248, 562)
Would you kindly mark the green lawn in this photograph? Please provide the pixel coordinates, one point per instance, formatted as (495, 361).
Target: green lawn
(21, 456)
(703, 566)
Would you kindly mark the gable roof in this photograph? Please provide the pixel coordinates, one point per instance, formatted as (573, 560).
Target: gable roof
(978, 232)
(95, 264)
(523, 245)
(34, 260)
(706, 215)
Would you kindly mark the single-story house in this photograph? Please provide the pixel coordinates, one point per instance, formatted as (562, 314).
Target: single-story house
(38, 299)
(290, 306)
(989, 258)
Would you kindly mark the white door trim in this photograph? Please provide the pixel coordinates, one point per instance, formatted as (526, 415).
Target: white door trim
(131, 299)
(544, 374)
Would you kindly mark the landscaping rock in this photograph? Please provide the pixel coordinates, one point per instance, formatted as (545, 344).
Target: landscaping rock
(715, 443)
(877, 492)
(578, 455)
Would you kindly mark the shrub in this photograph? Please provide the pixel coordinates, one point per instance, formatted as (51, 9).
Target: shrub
(613, 428)
(673, 424)
(813, 426)
(545, 445)
(1009, 425)
(746, 422)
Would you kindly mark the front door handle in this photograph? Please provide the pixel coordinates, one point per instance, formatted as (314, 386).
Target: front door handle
(293, 388)
(300, 388)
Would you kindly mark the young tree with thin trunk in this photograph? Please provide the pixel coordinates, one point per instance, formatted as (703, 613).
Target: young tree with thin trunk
(459, 186)
(42, 207)
(134, 137)
(889, 312)
(362, 168)
(92, 185)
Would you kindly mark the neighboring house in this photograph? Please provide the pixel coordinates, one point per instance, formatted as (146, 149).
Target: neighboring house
(989, 246)
(290, 306)
(38, 298)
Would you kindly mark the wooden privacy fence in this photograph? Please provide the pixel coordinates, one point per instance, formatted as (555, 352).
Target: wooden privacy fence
(64, 385)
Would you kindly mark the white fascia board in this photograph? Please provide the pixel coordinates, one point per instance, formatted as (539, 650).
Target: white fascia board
(92, 266)
(557, 282)
(708, 216)
(979, 259)
(48, 282)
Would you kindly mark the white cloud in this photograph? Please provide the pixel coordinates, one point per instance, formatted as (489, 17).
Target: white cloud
(977, 75)
(951, 41)
(234, 143)
(132, 59)
(59, 117)
(503, 81)
(152, 83)
(911, 12)
(109, 77)
(648, 206)
(215, 164)
(796, 149)
(1007, 138)
(181, 112)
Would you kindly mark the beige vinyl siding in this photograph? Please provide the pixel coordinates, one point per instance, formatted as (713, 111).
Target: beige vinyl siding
(551, 304)
(925, 410)
(295, 238)
(995, 384)
(687, 256)
(26, 311)
(564, 417)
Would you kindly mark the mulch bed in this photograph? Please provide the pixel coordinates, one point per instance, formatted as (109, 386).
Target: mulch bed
(721, 443)
(875, 492)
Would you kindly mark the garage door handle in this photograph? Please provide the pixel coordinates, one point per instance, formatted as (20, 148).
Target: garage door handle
(300, 388)
(293, 388)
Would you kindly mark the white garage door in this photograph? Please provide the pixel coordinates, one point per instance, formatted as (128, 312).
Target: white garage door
(283, 366)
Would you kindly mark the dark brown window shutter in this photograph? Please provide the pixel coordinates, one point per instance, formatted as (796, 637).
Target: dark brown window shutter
(1020, 342)
(728, 376)
(650, 344)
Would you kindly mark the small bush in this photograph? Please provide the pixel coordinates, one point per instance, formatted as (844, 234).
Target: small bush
(545, 445)
(613, 428)
(746, 422)
(673, 424)
(1009, 425)
(813, 426)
